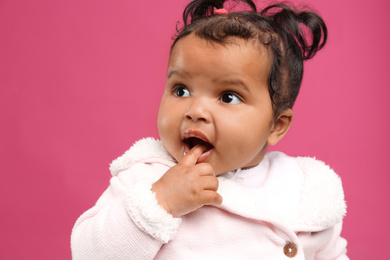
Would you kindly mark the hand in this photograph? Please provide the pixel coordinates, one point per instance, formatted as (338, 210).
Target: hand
(187, 186)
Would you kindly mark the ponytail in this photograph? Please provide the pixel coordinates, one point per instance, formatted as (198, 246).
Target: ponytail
(199, 9)
(289, 23)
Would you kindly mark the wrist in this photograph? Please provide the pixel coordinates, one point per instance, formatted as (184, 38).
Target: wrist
(158, 190)
(144, 210)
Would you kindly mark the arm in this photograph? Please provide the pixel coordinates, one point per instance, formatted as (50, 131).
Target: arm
(126, 222)
(324, 245)
(323, 187)
(335, 248)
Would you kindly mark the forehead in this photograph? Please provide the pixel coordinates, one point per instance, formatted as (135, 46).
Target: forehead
(193, 39)
(236, 55)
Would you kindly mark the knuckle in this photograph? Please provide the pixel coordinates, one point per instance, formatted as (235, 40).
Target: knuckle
(207, 168)
(213, 183)
(216, 182)
(214, 198)
(194, 191)
(218, 198)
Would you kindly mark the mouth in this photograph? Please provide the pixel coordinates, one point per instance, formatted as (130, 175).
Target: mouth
(191, 142)
(192, 139)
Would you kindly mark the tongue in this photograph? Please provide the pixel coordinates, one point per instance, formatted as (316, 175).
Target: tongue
(196, 141)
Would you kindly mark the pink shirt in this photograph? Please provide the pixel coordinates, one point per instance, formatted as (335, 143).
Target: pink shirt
(285, 208)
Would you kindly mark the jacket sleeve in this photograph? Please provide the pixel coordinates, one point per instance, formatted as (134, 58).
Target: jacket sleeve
(335, 248)
(324, 245)
(322, 199)
(126, 222)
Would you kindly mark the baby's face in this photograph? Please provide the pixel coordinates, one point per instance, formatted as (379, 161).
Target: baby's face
(217, 96)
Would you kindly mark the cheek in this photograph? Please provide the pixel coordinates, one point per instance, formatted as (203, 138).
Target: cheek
(168, 125)
(163, 122)
(164, 115)
(165, 128)
(169, 119)
(249, 124)
(246, 135)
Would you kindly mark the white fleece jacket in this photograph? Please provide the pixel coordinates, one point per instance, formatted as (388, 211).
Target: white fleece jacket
(285, 208)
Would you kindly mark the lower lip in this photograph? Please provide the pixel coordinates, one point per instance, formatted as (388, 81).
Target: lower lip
(203, 157)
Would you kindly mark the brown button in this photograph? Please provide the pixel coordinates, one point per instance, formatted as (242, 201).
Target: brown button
(290, 249)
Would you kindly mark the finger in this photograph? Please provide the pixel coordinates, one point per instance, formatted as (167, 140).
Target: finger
(192, 156)
(211, 198)
(209, 183)
(205, 169)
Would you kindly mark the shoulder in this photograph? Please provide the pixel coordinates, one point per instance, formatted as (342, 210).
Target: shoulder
(322, 203)
(301, 192)
(147, 150)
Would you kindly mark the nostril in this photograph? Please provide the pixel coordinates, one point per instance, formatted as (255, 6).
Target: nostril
(187, 116)
(195, 118)
(197, 114)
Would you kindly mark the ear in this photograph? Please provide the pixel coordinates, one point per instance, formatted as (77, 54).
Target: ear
(281, 126)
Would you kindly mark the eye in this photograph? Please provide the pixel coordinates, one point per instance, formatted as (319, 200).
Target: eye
(181, 91)
(230, 98)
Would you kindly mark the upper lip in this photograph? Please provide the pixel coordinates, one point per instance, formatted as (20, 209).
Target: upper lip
(195, 133)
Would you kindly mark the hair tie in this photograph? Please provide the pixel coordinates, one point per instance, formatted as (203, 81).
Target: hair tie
(220, 11)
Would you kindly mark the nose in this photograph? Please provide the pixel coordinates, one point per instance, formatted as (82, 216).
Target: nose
(198, 110)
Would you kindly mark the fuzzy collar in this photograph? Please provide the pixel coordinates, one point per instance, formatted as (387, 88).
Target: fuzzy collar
(302, 193)
(143, 151)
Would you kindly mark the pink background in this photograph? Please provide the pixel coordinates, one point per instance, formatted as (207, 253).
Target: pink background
(80, 81)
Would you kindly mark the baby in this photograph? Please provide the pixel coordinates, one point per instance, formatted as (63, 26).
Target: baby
(209, 189)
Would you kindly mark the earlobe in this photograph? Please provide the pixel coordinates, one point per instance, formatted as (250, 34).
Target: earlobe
(281, 126)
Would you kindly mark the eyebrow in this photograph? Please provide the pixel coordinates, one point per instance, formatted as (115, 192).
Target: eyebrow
(234, 82)
(179, 73)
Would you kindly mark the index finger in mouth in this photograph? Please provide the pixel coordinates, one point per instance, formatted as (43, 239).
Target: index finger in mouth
(192, 156)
